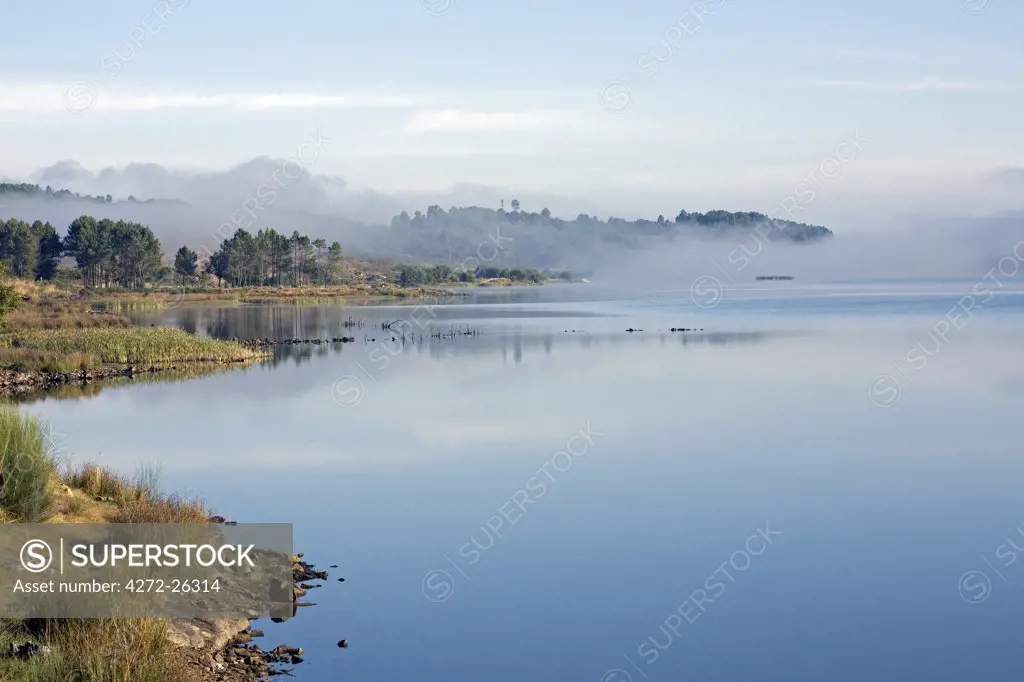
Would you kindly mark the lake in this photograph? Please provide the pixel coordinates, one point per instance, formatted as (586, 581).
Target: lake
(822, 484)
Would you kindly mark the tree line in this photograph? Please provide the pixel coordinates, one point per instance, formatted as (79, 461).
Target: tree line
(272, 259)
(128, 254)
(415, 275)
(113, 252)
(29, 250)
(520, 237)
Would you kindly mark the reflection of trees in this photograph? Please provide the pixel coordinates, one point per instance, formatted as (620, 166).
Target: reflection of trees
(512, 346)
(311, 322)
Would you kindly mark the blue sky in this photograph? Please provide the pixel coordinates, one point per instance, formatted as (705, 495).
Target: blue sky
(728, 101)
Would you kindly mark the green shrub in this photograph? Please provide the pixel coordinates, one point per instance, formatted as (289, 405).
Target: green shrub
(25, 468)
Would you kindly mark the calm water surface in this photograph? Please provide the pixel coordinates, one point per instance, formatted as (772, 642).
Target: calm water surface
(823, 484)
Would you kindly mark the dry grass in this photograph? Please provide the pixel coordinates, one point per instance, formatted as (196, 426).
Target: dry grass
(98, 494)
(59, 313)
(35, 290)
(171, 509)
(134, 345)
(71, 306)
(27, 360)
(98, 650)
(26, 468)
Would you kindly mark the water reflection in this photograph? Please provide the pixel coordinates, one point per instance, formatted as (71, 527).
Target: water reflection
(79, 390)
(707, 435)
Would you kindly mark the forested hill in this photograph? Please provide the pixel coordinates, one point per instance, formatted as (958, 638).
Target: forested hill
(513, 238)
(544, 241)
(24, 190)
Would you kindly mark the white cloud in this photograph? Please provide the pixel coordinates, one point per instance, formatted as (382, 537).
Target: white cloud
(461, 120)
(923, 85)
(81, 96)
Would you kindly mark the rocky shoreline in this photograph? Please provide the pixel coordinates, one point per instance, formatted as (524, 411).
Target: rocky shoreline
(223, 650)
(14, 382)
(263, 343)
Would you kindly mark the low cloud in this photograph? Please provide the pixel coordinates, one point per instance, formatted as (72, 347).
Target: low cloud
(921, 85)
(461, 120)
(42, 98)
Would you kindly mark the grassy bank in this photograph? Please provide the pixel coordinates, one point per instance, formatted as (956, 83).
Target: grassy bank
(159, 298)
(59, 331)
(130, 346)
(36, 488)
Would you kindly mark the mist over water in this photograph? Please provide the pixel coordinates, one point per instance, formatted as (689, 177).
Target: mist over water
(200, 209)
(914, 249)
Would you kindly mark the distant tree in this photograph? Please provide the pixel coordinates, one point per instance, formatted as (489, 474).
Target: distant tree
(515, 204)
(86, 244)
(320, 272)
(49, 252)
(441, 273)
(217, 265)
(19, 248)
(185, 263)
(133, 256)
(9, 298)
(546, 214)
(334, 262)
(410, 275)
(123, 253)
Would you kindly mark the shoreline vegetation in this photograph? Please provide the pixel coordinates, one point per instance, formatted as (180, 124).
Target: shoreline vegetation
(64, 323)
(464, 235)
(122, 255)
(52, 336)
(69, 325)
(38, 488)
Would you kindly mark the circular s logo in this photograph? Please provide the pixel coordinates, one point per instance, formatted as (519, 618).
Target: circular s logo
(884, 390)
(36, 556)
(348, 391)
(706, 291)
(616, 675)
(616, 97)
(79, 97)
(438, 585)
(974, 587)
(974, 6)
